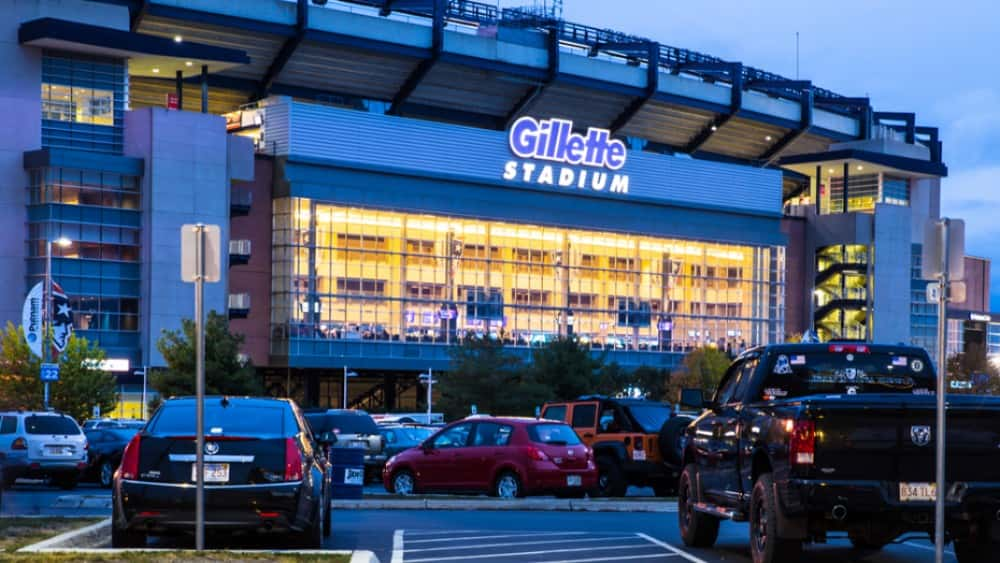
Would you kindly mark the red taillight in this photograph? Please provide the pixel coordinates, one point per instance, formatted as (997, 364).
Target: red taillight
(537, 454)
(130, 459)
(802, 443)
(268, 515)
(19, 444)
(293, 461)
(848, 348)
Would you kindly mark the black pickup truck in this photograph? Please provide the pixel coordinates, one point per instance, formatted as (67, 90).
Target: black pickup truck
(802, 440)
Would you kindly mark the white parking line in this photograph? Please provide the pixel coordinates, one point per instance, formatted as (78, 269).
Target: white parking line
(657, 556)
(397, 546)
(492, 537)
(927, 547)
(510, 544)
(669, 547)
(522, 553)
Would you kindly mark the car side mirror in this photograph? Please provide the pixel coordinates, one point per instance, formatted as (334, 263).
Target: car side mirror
(693, 398)
(427, 446)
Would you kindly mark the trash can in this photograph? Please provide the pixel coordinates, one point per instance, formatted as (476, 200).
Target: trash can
(348, 472)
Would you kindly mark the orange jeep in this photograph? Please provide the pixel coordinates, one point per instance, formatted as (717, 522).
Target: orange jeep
(635, 441)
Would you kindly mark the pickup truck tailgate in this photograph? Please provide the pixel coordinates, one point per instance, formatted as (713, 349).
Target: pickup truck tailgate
(886, 438)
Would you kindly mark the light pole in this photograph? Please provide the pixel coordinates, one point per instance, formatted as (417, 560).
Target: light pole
(47, 300)
(428, 379)
(144, 372)
(347, 374)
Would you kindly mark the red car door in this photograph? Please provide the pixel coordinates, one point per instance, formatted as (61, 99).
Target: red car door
(439, 466)
(486, 451)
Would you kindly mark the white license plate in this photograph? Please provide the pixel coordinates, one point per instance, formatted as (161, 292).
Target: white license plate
(354, 476)
(917, 492)
(573, 480)
(59, 450)
(639, 455)
(214, 472)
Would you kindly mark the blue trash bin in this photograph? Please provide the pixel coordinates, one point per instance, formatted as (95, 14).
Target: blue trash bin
(348, 472)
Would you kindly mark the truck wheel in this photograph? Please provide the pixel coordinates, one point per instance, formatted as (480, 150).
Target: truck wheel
(765, 545)
(973, 551)
(610, 478)
(697, 529)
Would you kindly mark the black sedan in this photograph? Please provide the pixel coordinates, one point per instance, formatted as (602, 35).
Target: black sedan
(262, 473)
(105, 453)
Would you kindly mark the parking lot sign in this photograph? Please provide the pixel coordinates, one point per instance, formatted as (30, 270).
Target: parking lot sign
(49, 372)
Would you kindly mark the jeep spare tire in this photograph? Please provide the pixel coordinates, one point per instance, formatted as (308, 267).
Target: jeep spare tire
(670, 438)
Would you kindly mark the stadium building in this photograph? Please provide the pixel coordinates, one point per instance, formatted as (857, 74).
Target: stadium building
(390, 177)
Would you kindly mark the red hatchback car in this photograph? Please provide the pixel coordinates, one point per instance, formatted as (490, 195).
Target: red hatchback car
(504, 457)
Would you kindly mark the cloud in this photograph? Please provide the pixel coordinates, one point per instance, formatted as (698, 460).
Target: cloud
(972, 195)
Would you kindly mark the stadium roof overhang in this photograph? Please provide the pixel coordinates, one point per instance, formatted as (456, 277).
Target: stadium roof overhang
(471, 63)
(857, 161)
(145, 52)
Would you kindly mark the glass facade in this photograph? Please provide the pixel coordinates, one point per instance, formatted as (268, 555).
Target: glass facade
(356, 274)
(923, 315)
(841, 292)
(99, 271)
(83, 102)
(864, 191)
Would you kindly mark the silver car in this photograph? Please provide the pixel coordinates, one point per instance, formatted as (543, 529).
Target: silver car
(41, 445)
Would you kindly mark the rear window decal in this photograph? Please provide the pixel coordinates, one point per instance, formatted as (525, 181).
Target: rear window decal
(798, 360)
(917, 365)
(772, 393)
(899, 361)
(781, 366)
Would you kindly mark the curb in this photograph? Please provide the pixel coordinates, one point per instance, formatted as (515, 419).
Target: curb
(82, 541)
(559, 505)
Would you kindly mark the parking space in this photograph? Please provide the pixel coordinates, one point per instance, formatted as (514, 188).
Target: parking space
(427, 546)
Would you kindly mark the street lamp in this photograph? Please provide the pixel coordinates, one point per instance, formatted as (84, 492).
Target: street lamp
(47, 300)
(346, 375)
(428, 380)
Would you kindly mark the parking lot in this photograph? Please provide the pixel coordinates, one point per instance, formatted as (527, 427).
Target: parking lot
(408, 536)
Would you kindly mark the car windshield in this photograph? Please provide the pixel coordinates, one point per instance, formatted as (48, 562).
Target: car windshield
(253, 420)
(350, 424)
(650, 417)
(851, 373)
(553, 434)
(48, 424)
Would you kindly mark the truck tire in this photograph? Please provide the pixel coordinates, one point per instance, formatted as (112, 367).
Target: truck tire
(697, 529)
(610, 478)
(669, 439)
(975, 551)
(765, 544)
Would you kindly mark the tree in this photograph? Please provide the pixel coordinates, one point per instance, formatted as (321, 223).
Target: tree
(648, 381)
(485, 374)
(566, 368)
(972, 366)
(81, 385)
(702, 368)
(225, 374)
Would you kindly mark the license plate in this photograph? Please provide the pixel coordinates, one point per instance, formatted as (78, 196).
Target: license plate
(214, 472)
(917, 492)
(573, 481)
(59, 450)
(639, 455)
(354, 476)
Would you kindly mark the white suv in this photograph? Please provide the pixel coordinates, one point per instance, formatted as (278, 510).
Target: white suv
(40, 445)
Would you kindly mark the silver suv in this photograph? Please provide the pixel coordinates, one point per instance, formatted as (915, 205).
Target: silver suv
(41, 445)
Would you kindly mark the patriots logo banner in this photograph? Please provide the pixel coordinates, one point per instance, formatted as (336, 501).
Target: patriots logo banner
(62, 318)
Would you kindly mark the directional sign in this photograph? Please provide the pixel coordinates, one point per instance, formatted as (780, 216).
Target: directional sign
(49, 372)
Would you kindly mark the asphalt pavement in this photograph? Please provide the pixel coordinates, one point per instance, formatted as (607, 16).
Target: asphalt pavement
(424, 536)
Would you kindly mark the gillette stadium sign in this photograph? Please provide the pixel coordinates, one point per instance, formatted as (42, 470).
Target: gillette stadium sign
(550, 153)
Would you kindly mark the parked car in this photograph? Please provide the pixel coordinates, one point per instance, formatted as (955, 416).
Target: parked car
(348, 428)
(803, 440)
(635, 441)
(105, 453)
(263, 473)
(42, 445)
(95, 423)
(401, 437)
(504, 457)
